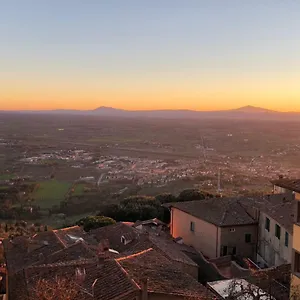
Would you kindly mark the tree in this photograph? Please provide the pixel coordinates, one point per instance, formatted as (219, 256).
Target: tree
(165, 198)
(57, 289)
(93, 222)
(193, 194)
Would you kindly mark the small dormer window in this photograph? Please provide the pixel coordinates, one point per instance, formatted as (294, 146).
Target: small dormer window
(126, 239)
(123, 240)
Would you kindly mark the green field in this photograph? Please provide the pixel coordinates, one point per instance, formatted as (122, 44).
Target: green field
(49, 193)
(6, 176)
(4, 188)
(78, 190)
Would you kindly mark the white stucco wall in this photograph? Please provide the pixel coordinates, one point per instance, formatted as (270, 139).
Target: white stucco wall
(271, 250)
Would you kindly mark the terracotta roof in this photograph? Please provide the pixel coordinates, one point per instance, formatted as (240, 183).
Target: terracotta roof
(50, 254)
(114, 234)
(22, 252)
(154, 221)
(70, 235)
(171, 249)
(141, 240)
(218, 211)
(77, 251)
(128, 223)
(280, 207)
(113, 283)
(286, 183)
(106, 281)
(162, 276)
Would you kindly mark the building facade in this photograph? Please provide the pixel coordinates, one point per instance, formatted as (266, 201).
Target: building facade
(213, 239)
(275, 243)
(293, 186)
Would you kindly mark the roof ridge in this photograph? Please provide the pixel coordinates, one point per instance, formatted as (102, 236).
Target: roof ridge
(127, 275)
(59, 239)
(63, 264)
(65, 228)
(134, 255)
(73, 245)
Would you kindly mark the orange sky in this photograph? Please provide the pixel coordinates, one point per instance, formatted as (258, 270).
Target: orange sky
(155, 94)
(201, 55)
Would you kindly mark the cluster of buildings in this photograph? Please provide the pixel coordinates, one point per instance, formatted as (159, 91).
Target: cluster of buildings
(218, 248)
(143, 171)
(64, 155)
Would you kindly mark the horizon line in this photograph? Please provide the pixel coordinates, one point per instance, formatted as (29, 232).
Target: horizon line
(145, 110)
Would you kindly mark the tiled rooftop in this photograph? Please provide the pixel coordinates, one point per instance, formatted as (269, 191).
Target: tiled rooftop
(162, 276)
(280, 207)
(54, 253)
(286, 183)
(218, 211)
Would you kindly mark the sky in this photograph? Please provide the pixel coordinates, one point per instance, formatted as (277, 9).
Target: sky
(142, 54)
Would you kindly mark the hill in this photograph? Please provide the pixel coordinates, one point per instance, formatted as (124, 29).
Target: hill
(245, 112)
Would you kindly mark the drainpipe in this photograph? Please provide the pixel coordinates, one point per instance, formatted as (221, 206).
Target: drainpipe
(217, 242)
(171, 221)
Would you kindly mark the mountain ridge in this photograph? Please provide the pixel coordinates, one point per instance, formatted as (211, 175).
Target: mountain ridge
(248, 111)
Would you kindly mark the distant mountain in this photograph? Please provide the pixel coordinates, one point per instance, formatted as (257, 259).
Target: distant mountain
(245, 112)
(254, 109)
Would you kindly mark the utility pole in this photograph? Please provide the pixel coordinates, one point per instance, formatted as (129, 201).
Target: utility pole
(219, 181)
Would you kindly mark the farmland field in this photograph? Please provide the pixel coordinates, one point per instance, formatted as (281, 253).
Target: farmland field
(78, 190)
(51, 192)
(6, 176)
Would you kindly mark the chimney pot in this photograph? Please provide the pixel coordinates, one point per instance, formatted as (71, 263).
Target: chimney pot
(144, 286)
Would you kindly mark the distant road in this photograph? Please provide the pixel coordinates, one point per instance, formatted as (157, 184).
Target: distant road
(169, 154)
(100, 179)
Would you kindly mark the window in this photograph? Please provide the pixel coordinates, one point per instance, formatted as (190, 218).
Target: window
(296, 262)
(223, 250)
(192, 226)
(277, 231)
(286, 239)
(247, 238)
(232, 229)
(267, 224)
(298, 211)
(232, 250)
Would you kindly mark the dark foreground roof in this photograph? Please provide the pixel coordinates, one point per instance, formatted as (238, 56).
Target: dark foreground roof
(114, 279)
(286, 183)
(60, 254)
(163, 277)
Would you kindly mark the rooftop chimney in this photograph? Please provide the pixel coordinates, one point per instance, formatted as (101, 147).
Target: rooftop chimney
(103, 250)
(80, 275)
(41, 257)
(144, 287)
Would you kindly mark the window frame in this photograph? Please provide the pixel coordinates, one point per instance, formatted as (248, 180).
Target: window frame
(298, 212)
(223, 252)
(192, 226)
(267, 224)
(296, 263)
(286, 239)
(277, 231)
(248, 235)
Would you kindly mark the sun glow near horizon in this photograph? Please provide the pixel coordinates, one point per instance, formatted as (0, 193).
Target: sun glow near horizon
(216, 96)
(168, 55)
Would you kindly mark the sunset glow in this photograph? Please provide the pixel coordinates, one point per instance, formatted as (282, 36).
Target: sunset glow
(72, 55)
